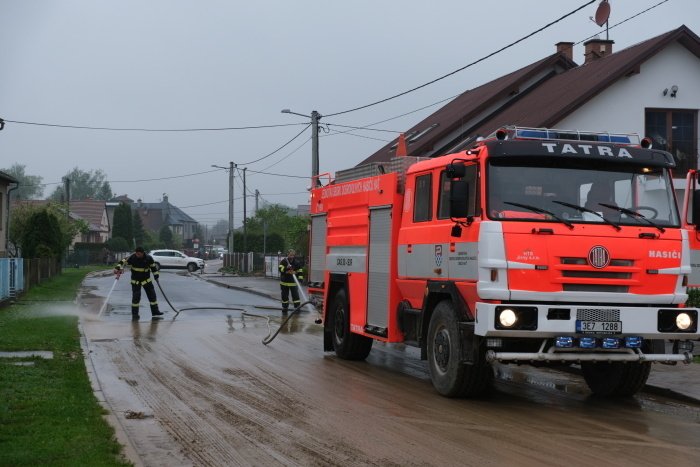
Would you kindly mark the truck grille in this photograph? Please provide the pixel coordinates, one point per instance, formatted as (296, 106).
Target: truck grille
(576, 275)
(597, 314)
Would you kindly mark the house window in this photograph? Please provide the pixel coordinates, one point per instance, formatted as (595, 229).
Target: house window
(422, 209)
(675, 131)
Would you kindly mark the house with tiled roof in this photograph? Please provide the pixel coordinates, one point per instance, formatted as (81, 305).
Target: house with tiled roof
(94, 213)
(650, 88)
(155, 215)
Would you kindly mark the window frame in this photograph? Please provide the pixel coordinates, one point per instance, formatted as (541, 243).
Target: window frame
(420, 195)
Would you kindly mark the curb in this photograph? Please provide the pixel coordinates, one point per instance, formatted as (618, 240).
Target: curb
(670, 393)
(129, 451)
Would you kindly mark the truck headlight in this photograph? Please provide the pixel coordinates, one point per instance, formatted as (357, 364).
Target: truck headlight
(683, 321)
(512, 317)
(507, 318)
(678, 320)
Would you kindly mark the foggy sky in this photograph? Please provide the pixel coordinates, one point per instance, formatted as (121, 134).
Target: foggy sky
(209, 64)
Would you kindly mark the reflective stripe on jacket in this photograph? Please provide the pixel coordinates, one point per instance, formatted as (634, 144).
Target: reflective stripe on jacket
(286, 277)
(141, 268)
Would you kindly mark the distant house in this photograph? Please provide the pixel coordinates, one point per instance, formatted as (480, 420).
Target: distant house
(651, 88)
(5, 181)
(94, 212)
(155, 215)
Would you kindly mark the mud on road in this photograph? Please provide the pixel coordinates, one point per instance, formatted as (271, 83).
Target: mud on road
(212, 394)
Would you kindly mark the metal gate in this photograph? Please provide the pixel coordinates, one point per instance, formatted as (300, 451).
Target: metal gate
(379, 263)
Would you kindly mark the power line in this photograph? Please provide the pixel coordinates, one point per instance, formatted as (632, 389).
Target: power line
(163, 178)
(279, 148)
(277, 175)
(362, 128)
(288, 155)
(623, 21)
(172, 130)
(465, 66)
(348, 133)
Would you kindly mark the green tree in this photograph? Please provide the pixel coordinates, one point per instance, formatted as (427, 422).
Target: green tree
(151, 241)
(84, 185)
(24, 223)
(122, 224)
(137, 228)
(117, 244)
(165, 235)
(29, 187)
(275, 220)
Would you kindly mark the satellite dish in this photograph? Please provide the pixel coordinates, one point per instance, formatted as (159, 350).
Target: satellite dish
(602, 13)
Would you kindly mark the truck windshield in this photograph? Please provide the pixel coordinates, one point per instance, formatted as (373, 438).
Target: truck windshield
(577, 192)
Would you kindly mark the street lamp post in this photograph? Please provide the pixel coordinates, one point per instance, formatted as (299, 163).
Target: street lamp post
(315, 117)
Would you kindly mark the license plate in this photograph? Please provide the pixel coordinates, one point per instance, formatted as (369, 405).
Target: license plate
(599, 327)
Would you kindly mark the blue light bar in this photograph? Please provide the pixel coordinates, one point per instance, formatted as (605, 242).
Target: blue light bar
(515, 132)
(633, 342)
(611, 343)
(587, 342)
(564, 342)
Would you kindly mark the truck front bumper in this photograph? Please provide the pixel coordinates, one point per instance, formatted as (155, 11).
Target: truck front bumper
(545, 320)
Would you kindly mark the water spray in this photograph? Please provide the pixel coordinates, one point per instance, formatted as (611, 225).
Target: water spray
(104, 305)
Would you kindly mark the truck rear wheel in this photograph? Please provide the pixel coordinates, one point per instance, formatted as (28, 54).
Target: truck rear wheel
(347, 345)
(450, 376)
(615, 379)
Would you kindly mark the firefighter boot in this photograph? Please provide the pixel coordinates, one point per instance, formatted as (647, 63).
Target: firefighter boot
(134, 315)
(155, 312)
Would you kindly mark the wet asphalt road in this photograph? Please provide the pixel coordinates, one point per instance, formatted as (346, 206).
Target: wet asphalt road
(202, 390)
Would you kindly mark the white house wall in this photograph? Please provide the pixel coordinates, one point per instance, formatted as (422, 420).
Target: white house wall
(621, 107)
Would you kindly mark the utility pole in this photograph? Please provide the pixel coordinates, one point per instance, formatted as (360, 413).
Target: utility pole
(245, 213)
(257, 196)
(229, 239)
(230, 207)
(315, 117)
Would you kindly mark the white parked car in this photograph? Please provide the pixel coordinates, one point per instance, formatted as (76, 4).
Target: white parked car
(173, 259)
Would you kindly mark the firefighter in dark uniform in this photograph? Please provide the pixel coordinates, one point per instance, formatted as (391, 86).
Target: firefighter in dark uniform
(288, 266)
(141, 267)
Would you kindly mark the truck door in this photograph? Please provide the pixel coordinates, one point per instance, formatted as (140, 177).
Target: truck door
(691, 222)
(380, 257)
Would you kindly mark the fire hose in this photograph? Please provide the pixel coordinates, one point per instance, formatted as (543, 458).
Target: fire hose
(270, 336)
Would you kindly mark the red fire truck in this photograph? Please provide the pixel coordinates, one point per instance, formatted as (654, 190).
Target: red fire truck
(535, 246)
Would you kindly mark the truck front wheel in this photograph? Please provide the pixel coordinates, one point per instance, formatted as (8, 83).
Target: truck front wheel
(347, 345)
(450, 376)
(615, 379)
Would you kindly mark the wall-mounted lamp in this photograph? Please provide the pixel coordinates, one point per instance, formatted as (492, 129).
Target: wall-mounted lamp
(674, 90)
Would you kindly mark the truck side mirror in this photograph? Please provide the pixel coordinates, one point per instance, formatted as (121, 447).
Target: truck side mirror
(459, 199)
(455, 170)
(695, 211)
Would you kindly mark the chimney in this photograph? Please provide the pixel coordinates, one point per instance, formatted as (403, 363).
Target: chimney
(597, 48)
(566, 49)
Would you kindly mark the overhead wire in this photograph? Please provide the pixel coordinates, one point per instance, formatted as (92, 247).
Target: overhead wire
(527, 36)
(621, 22)
(279, 148)
(171, 130)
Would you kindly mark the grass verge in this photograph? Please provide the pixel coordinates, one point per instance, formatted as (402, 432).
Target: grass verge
(48, 413)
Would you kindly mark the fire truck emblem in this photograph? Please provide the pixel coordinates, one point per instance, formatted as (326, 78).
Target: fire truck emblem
(438, 255)
(598, 257)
